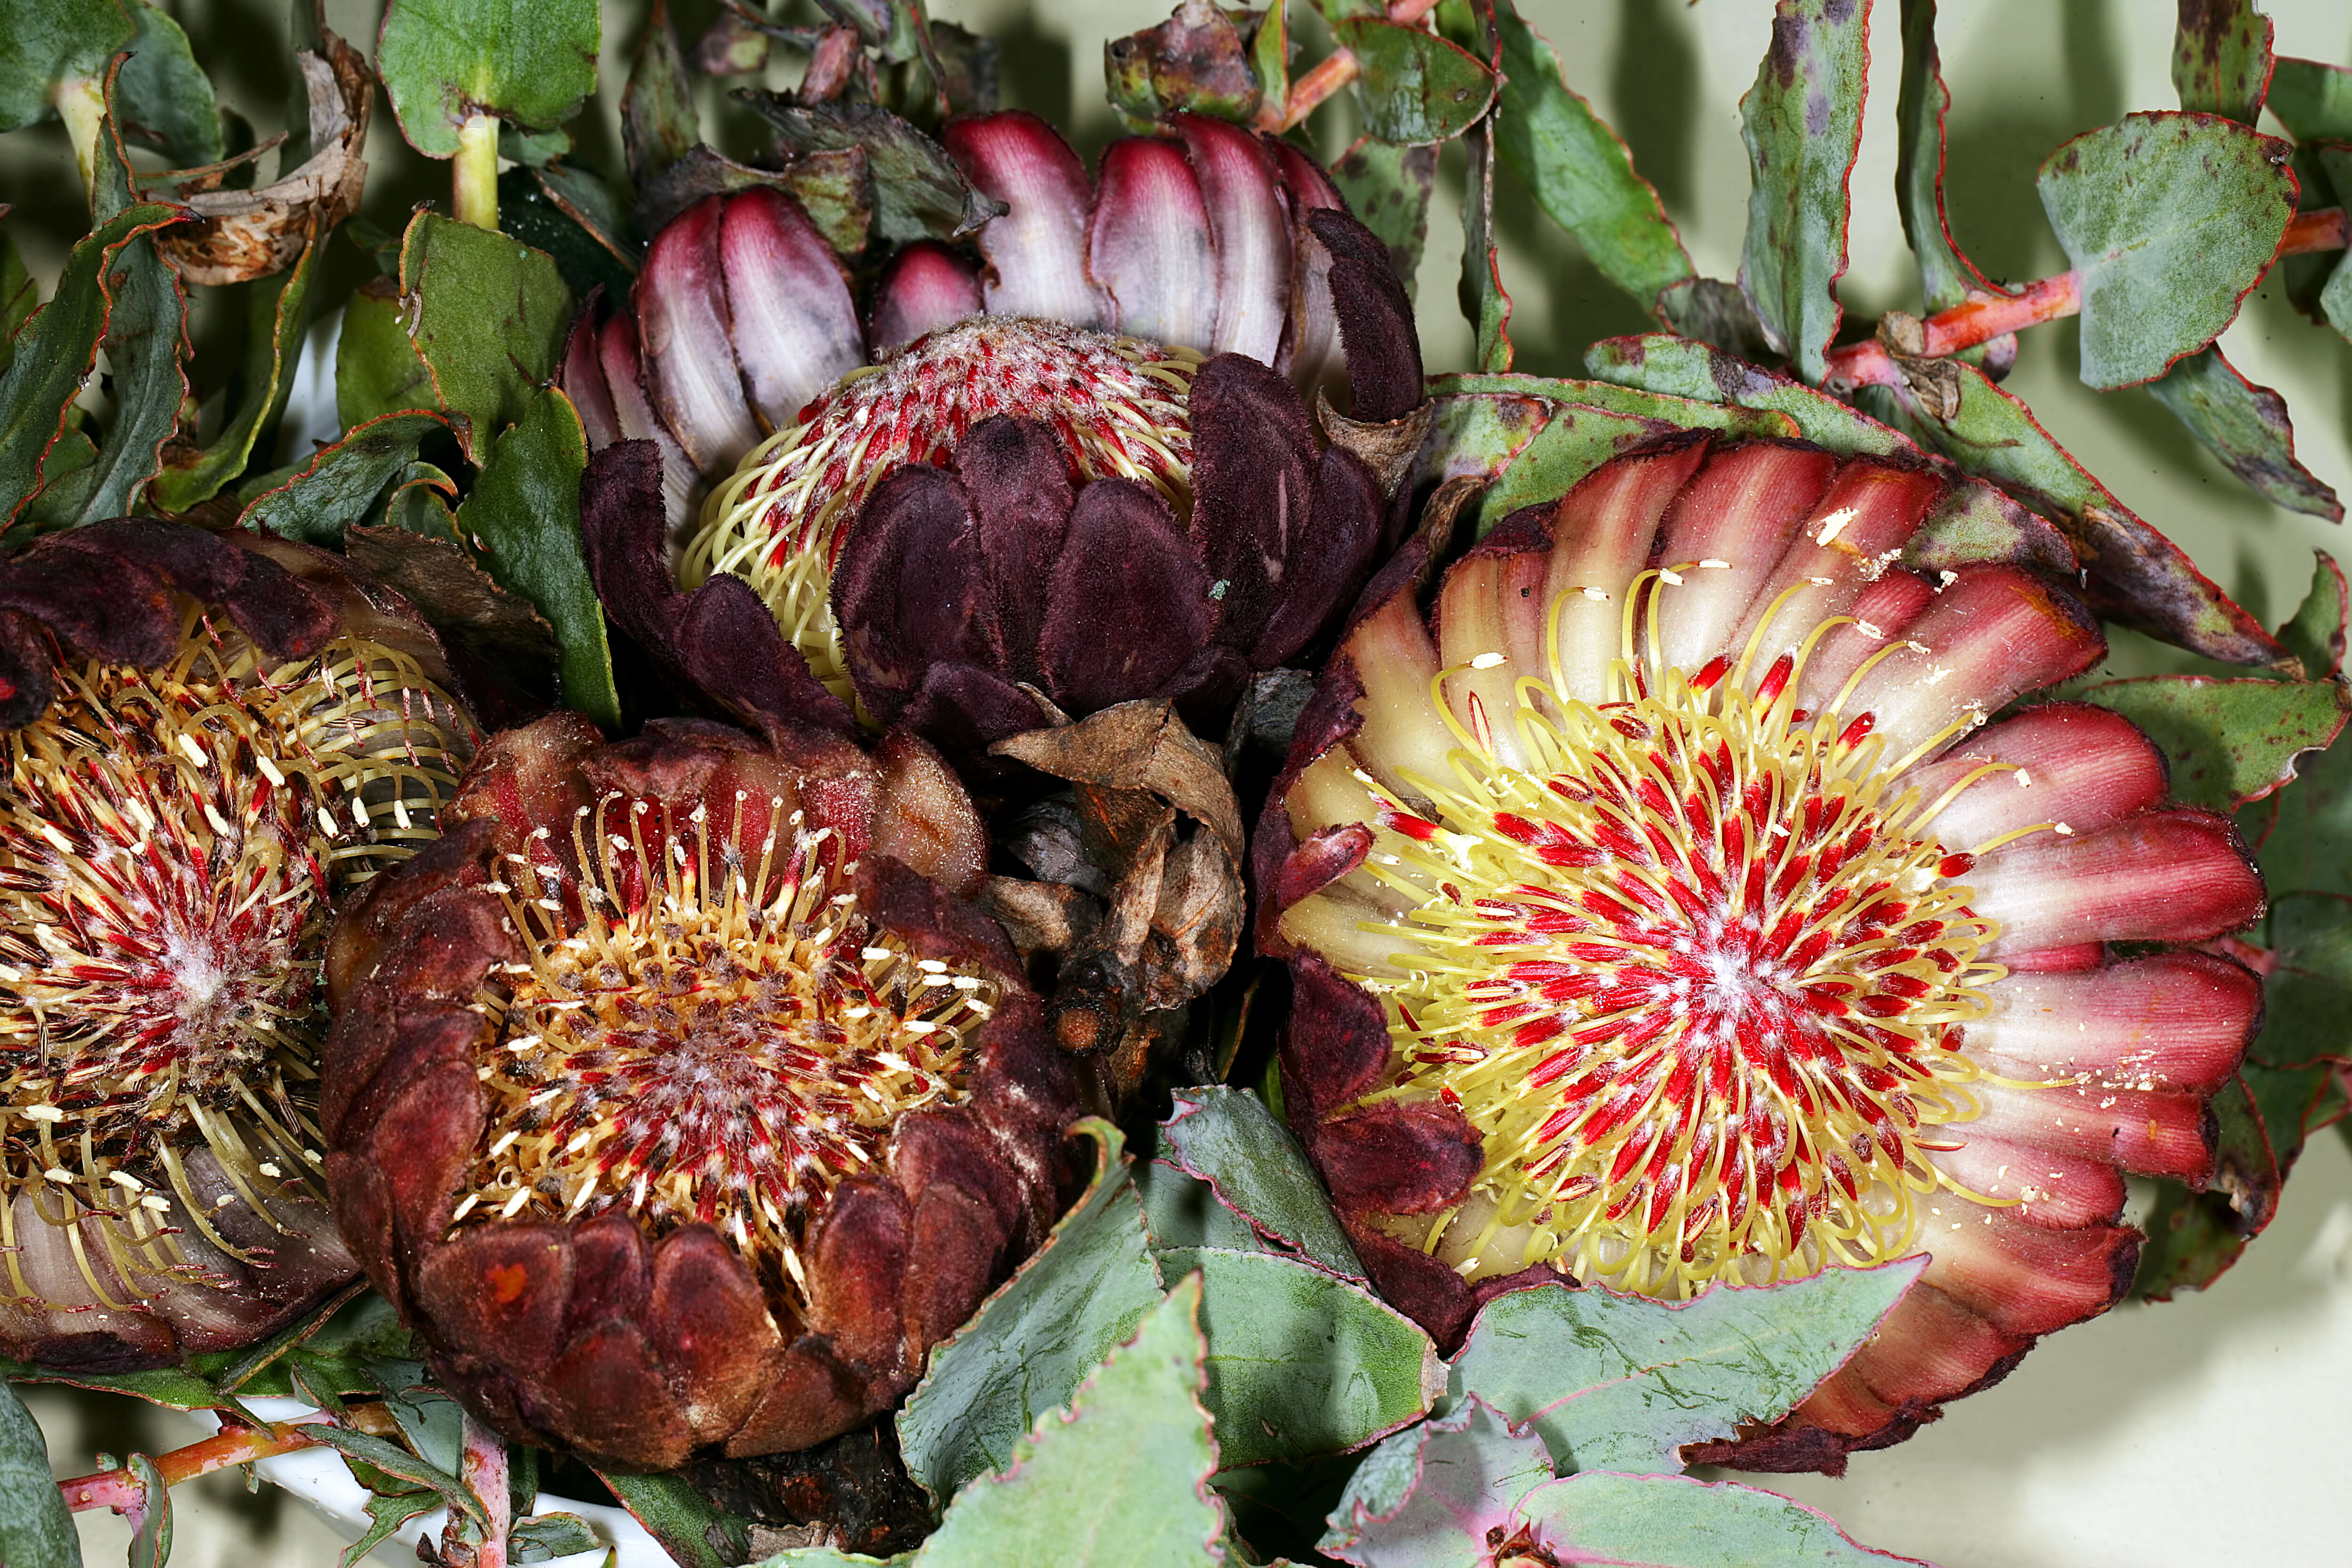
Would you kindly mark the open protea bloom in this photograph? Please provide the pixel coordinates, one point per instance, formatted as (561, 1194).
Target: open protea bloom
(1673, 907)
(187, 794)
(677, 1098)
(1081, 461)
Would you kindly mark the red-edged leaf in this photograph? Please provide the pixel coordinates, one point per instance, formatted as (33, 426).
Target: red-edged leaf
(2222, 57)
(1802, 125)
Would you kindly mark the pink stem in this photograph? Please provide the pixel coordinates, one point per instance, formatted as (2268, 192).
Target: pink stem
(1330, 74)
(120, 1490)
(1984, 317)
(484, 1470)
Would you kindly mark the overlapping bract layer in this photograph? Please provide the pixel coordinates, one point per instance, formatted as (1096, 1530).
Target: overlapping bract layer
(174, 828)
(1044, 481)
(677, 1098)
(1664, 907)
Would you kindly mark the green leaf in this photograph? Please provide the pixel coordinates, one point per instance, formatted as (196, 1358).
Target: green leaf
(247, 1371)
(544, 1537)
(524, 511)
(1269, 53)
(394, 1460)
(1661, 361)
(2316, 634)
(2308, 996)
(1580, 170)
(45, 42)
(1485, 302)
(1574, 439)
(1228, 1139)
(1122, 1479)
(57, 350)
(531, 62)
(1416, 89)
(386, 1515)
(1671, 1522)
(2136, 575)
(1802, 125)
(2264, 1116)
(37, 1529)
(1195, 60)
(1438, 1495)
(2246, 426)
(488, 320)
(1033, 1341)
(20, 296)
(278, 313)
(1181, 1210)
(430, 1422)
(164, 96)
(2169, 219)
(658, 122)
(2228, 741)
(68, 477)
(918, 191)
(151, 1537)
(695, 1534)
(377, 368)
(146, 334)
(1946, 277)
(342, 484)
(2313, 101)
(1614, 397)
(1615, 1382)
(2221, 58)
(1388, 189)
(171, 1387)
(1301, 1362)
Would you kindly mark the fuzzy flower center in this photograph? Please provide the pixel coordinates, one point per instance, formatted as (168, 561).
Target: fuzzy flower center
(169, 844)
(1120, 405)
(1694, 973)
(703, 1035)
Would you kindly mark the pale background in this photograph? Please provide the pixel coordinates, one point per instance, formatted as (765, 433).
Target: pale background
(2212, 1431)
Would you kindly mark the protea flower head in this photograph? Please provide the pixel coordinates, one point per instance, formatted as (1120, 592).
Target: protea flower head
(213, 738)
(677, 1098)
(1673, 905)
(1082, 459)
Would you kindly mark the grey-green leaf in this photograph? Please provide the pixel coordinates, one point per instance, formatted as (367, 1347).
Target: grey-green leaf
(2246, 426)
(1031, 1345)
(1671, 1522)
(1802, 125)
(2311, 100)
(1122, 1480)
(2228, 741)
(146, 336)
(1301, 1362)
(1387, 187)
(694, 1532)
(37, 1529)
(1578, 170)
(1430, 1496)
(1616, 1381)
(1684, 367)
(342, 484)
(2221, 58)
(1181, 1210)
(1946, 277)
(528, 61)
(2169, 220)
(524, 510)
(1416, 88)
(1228, 1139)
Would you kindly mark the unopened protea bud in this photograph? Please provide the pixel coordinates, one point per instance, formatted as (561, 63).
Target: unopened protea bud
(1669, 912)
(180, 814)
(1083, 461)
(678, 1098)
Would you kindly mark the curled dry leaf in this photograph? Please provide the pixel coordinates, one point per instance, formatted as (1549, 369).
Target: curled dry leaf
(245, 235)
(1152, 820)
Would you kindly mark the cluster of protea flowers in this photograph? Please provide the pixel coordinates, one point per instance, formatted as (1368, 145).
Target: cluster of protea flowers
(1082, 460)
(1669, 908)
(210, 742)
